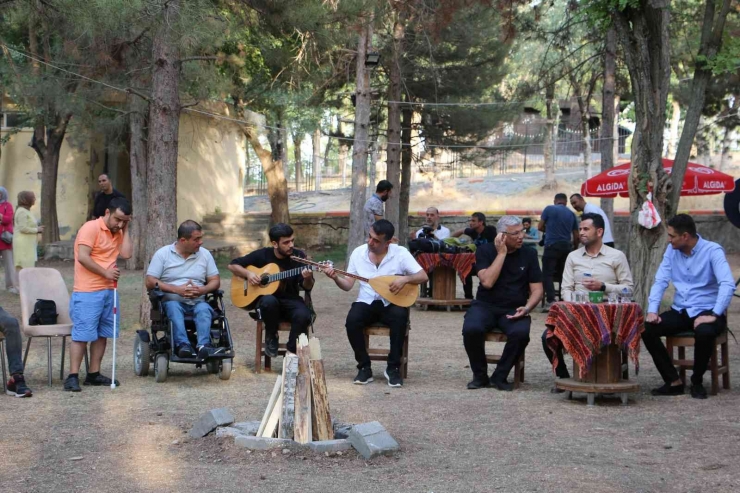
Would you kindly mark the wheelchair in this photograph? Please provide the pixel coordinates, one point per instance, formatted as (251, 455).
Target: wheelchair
(157, 347)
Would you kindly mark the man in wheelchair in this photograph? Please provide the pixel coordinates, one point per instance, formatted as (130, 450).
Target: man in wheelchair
(185, 273)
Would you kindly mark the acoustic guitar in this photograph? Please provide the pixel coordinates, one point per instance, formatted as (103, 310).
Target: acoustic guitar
(381, 284)
(245, 295)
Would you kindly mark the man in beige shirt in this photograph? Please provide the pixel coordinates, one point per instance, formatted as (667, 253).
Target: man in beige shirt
(593, 267)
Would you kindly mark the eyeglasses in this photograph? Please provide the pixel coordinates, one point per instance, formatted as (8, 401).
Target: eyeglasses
(515, 233)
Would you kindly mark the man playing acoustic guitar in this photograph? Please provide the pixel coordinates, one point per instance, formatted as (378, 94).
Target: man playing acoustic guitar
(378, 257)
(285, 303)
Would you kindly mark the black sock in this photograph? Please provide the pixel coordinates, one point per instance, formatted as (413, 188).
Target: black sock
(93, 375)
(76, 375)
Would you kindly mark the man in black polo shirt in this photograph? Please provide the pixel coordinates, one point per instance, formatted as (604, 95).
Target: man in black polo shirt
(286, 303)
(104, 196)
(510, 287)
(481, 234)
(560, 226)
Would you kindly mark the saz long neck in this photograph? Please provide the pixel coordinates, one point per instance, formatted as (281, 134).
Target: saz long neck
(316, 264)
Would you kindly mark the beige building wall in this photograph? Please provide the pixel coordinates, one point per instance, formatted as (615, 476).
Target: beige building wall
(210, 171)
(20, 169)
(210, 168)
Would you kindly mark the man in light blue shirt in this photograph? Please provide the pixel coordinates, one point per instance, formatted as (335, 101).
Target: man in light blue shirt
(704, 286)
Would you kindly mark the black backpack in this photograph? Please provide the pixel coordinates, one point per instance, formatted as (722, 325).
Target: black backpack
(44, 313)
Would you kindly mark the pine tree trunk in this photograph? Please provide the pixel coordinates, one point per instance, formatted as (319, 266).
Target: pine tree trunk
(297, 142)
(164, 125)
(137, 166)
(393, 171)
(316, 141)
(550, 140)
(608, 134)
(585, 136)
(277, 184)
(359, 148)
(405, 195)
(725, 152)
(673, 135)
(49, 174)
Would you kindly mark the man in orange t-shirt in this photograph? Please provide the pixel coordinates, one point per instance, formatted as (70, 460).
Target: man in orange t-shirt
(99, 243)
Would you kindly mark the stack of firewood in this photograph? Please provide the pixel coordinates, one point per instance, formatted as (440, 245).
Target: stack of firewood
(298, 408)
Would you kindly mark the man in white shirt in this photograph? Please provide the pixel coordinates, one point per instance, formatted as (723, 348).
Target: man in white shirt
(580, 204)
(378, 257)
(440, 232)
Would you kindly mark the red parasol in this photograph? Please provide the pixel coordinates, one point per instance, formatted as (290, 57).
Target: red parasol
(699, 180)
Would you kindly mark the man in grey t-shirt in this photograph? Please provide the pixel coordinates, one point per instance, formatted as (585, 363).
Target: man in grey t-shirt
(374, 209)
(186, 273)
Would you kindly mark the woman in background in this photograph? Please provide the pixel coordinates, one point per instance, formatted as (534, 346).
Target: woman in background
(6, 247)
(26, 228)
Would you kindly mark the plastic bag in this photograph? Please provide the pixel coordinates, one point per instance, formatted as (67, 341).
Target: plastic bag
(648, 216)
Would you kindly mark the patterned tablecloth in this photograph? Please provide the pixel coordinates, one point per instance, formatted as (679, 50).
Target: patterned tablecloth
(584, 329)
(461, 262)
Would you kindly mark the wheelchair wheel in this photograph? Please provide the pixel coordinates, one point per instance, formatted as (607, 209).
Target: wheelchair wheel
(161, 366)
(141, 357)
(212, 366)
(225, 372)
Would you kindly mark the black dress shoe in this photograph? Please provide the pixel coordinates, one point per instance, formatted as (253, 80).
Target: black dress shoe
(479, 383)
(271, 346)
(698, 391)
(668, 389)
(185, 351)
(502, 385)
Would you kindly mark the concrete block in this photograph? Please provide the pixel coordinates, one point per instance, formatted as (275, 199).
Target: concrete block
(228, 431)
(342, 431)
(259, 443)
(371, 440)
(247, 427)
(210, 421)
(329, 446)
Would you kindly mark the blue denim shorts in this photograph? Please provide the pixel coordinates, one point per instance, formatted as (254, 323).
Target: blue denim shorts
(92, 315)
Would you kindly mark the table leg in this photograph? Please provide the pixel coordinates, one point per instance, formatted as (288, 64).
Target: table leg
(569, 395)
(590, 399)
(624, 398)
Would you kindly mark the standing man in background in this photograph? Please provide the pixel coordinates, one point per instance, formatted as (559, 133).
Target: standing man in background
(104, 196)
(481, 234)
(561, 238)
(579, 204)
(374, 209)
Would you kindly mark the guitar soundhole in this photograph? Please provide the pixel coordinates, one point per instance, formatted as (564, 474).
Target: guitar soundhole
(264, 280)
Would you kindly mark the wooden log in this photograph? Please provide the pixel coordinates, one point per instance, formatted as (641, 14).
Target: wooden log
(287, 415)
(270, 404)
(303, 432)
(272, 422)
(322, 428)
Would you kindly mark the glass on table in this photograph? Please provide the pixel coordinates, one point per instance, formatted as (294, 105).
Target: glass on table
(580, 297)
(625, 296)
(613, 298)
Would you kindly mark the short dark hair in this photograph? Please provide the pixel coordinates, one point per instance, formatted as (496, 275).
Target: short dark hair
(280, 230)
(383, 185)
(121, 204)
(384, 227)
(577, 195)
(561, 197)
(186, 229)
(595, 218)
(527, 220)
(683, 223)
(479, 216)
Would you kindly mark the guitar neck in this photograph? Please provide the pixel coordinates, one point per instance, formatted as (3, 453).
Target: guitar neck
(284, 275)
(316, 264)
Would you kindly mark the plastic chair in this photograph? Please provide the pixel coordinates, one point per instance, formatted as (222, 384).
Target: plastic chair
(46, 284)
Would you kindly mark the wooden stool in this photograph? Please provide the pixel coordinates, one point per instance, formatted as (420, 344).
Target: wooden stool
(260, 346)
(379, 354)
(686, 339)
(497, 336)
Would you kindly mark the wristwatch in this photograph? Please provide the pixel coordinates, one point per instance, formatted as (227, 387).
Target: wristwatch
(603, 287)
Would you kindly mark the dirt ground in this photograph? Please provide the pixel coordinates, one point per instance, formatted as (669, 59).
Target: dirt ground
(133, 438)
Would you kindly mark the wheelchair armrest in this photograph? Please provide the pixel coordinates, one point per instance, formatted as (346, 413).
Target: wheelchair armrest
(155, 295)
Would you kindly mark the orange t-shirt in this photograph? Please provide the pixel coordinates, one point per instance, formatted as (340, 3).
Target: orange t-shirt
(105, 249)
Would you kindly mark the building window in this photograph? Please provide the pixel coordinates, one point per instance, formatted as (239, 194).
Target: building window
(13, 120)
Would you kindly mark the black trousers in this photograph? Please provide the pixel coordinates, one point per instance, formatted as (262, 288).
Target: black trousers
(562, 370)
(274, 310)
(361, 315)
(553, 264)
(483, 317)
(468, 285)
(674, 322)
